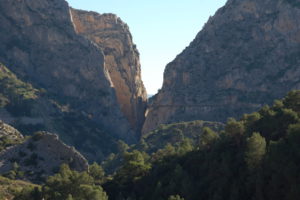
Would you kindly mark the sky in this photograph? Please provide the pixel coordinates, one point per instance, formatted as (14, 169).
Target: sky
(161, 29)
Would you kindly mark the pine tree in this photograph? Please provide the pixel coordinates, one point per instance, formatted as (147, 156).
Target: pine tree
(207, 138)
(255, 150)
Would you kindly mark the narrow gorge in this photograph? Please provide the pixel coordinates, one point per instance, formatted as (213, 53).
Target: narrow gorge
(76, 124)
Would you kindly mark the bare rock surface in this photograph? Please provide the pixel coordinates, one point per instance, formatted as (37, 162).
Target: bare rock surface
(9, 132)
(246, 56)
(121, 58)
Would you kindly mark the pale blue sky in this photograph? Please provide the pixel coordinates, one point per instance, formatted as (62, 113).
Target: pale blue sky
(161, 29)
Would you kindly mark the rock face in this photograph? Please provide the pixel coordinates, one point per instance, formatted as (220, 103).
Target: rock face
(66, 83)
(121, 58)
(246, 56)
(39, 44)
(40, 157)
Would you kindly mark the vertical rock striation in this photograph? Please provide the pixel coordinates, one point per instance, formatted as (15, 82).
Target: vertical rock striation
(246, 56)
(121, 58)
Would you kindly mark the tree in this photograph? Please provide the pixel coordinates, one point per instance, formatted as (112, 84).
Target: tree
(32, 193)
(97, 172)
(175, 197)
(168, 150)
(207, 138)
(292, 100)
(234, 128)
(251, 119)
(255, 150)
(91, 192)
(66, 183)
(122, 146)
(185, 146)
(133, 168)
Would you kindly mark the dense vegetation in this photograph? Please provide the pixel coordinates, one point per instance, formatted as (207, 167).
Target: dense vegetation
(68, 185)
(256, 157)
(8, 187)
(177, 136)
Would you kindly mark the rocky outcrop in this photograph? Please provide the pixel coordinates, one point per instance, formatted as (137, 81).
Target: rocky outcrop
(40, 157)
(121, 58)
(9, 132)
(246, 56)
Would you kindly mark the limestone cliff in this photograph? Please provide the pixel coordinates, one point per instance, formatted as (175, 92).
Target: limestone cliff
(246, 56)
(39, 44)
(121, 58)
(59, 81)
(40, 157)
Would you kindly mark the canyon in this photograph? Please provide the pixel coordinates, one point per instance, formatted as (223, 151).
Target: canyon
(80, 74)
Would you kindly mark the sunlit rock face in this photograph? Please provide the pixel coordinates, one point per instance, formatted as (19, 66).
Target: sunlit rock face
(246, 56)
(121, 58)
